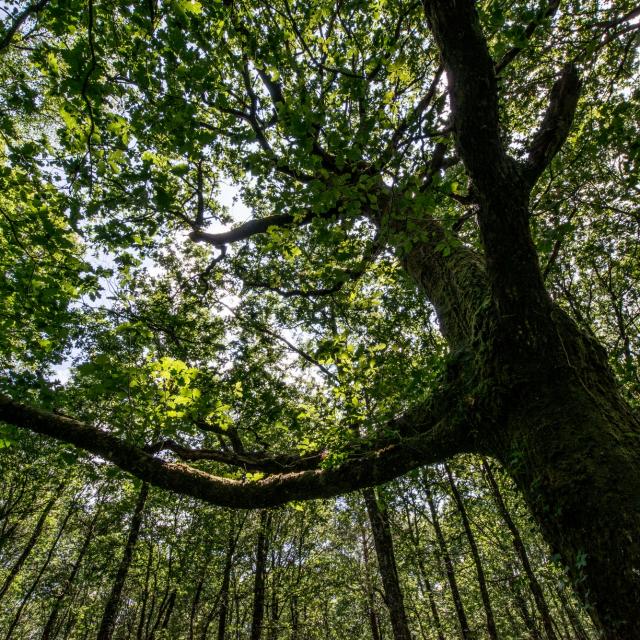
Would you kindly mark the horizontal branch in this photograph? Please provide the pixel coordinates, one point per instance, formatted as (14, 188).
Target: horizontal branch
(248, 460)
(261, 225)
(251, 228)
(437, 439)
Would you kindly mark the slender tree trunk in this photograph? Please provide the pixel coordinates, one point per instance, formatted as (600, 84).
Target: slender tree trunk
(112, 606)
(525, 614)
(196, 600)
(274, 615)
(226, 582)
(50, 625)
(448, 565)
(30, 543)
(368, 588)
(295, 617)
(43, 568)
(521, 551)
(168, 611)
(475, 554)
(425, 583)
(379, 520)
(145, 596)
(576, 624)
(261, 566)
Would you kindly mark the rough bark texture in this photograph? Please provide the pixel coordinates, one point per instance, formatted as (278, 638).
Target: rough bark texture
(534, 392)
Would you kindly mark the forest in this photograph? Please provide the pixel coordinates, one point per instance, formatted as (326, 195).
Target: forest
(319, 320)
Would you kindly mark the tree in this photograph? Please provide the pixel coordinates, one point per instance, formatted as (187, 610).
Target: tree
(385, 153)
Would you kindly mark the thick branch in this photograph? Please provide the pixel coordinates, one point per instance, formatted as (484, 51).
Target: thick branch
(503, 193)
(251, 228)
(556, 123)
(438, 439)
(261, 225)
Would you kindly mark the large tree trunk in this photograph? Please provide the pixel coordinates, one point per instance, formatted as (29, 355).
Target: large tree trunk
(379, 519)
(573, 448)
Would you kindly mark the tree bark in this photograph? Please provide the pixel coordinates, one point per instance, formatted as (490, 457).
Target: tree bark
(448, 564)
(475, 554)
(379, 519)
(112, 606)
(145, 596)
(226, 582)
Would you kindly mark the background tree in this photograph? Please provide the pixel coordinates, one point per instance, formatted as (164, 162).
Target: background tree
(459, 177)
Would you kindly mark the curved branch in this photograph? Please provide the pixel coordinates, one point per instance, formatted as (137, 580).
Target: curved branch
(438, 438)
(249, 461)
(251, 228)
(261, 225)
(556, 123)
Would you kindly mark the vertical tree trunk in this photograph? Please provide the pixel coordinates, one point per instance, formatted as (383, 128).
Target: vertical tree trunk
(196, 600)
(425, 583)
(521, 551)
(525, 614)
(226, 582)
(368, 587)
(379, 519)
(168, 611)
(145, 596)
(475, 554)
(576, 624)
(112, 606)
(261, 565)
(30, 543)
(43, 568)
(295, 617)
(47, 632)
(448, 565)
